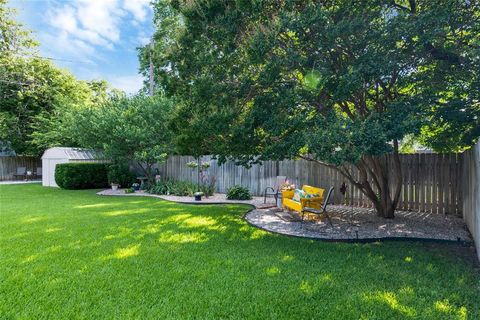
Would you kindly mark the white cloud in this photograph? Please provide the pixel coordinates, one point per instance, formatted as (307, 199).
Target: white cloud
(101, 16)
(130, 84)
(142, 38)
(63, 45)
(64, 20)
(138, 8)
(97, 22)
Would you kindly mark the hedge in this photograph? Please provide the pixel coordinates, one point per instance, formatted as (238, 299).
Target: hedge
(238, 193)
(81, 175)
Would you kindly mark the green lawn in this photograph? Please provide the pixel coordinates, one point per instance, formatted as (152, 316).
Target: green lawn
(73, 254)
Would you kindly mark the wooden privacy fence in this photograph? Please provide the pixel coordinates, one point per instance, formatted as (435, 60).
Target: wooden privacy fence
(431, 182)
(471, 193)
(9, 165)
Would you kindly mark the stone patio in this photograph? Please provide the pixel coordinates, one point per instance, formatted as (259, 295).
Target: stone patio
(345, 223)
(349, 223)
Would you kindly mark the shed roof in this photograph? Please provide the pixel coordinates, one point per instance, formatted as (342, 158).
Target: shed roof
(72, 154)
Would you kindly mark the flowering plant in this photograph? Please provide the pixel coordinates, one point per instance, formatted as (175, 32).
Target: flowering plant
(192, 164)
(287, 186)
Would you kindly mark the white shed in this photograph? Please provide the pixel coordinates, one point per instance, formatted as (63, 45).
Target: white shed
(53, 156)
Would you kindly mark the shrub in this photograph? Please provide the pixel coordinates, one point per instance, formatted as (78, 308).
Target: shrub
(238, 193)
(129, 190)
(174, 187)
(183, 188)
(207, 185)
(161, 187)
(121, 174)
(81, 175)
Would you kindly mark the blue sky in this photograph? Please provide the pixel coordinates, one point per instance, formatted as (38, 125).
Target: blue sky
(97, 37)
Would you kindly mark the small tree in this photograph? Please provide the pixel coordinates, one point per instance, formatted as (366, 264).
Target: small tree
(128, 129)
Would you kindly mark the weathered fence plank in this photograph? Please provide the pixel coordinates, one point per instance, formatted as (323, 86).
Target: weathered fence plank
(431, 182)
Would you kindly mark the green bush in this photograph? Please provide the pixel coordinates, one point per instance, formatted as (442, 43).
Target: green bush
(121, 174)
(173, 187)
(238, 193)
(129, 190)
(182, 188)
(81, 175)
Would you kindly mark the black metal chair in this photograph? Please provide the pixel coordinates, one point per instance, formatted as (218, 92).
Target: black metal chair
(21, 173)
(323, 210)
(37, 173)
(275, 190)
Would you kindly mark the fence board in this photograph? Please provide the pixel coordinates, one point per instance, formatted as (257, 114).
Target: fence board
(421, 182)
(428, 182)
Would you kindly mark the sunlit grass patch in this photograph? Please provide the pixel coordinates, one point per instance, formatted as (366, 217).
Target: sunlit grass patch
(122, 253)
(391, 300)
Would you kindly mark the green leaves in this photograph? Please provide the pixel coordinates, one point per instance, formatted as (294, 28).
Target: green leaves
(312, 79)
(271, 80)
(35, 96)
(127, 129)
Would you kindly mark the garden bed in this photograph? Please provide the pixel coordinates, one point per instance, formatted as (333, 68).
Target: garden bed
(217, 198)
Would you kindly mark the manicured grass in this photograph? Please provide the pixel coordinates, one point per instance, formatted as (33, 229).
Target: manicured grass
(73, 254)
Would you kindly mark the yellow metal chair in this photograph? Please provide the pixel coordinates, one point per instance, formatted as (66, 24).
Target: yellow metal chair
(314, 203)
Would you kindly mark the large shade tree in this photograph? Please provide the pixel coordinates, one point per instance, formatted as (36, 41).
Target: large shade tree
(336, 82)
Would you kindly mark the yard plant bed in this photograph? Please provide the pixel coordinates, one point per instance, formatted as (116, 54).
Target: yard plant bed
(217, 198)
(72, 254)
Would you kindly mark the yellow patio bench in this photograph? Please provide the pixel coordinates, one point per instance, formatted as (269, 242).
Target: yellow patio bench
(299, 206)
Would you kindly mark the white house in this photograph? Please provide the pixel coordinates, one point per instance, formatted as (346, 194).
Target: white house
(53, 156)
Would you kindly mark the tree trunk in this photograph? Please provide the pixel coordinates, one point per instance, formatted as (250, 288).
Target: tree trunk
(147, 171)
(382, 185)
(379, 178)
(385, 206)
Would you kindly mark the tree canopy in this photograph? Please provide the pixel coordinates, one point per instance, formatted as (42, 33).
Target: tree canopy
(341, 83)
(32, 89)
(126, 129)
